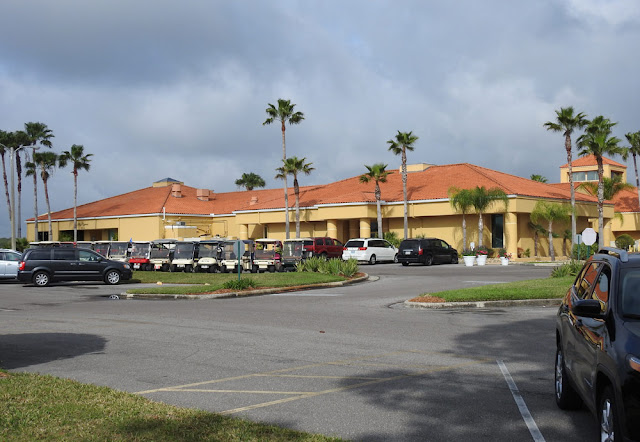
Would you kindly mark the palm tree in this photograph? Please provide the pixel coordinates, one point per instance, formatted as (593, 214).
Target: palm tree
(634, 149)
(611, 187)
(19, 139)
(461, 200)
(538, 231)
(5, 141)
(37, 133)
(404, 141)
(566, 236)
(597, 141)
(539, 178)
(79, 161)
(482, 199)
(47, 162)
(283, 113)
(566, 122)
(545, 210)
(378, 174)
(294, 166)
(250, 181)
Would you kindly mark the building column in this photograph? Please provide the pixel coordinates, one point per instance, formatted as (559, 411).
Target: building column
(332, 228)
(511, 233)
(608, 235)
(243, 231)
(354, 229)
(365, 228)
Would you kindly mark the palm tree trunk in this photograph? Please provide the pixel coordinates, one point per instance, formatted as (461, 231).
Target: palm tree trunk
(286, 189)
(635, 166)
(567, 146)
(35, 196)
(600, 202)
(75, 206)
(404, 191)
(378, 194)
(535, 244)
(552, 252)
(6, 185)
(46, 198)
(480, 229)
(464, 232)
(296, 190)
(18, 218)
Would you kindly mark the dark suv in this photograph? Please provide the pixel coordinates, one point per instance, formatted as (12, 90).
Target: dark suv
(598, 343)
(44, 265)
(426, 251)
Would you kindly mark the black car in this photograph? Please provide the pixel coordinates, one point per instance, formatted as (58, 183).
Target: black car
(598, 343)
(42, 266)
(426, 251)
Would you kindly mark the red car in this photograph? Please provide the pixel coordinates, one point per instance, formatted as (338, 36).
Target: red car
(325, 247)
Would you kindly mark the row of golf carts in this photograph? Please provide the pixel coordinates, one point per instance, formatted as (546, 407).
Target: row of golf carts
(214, 255)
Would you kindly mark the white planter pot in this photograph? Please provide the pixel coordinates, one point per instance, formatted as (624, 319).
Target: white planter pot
(469, 260)
(482, 260)
(504, 261)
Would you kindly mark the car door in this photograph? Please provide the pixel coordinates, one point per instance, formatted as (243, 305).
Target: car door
(64, 263)
(389, 250)
(9, 264)
(90, 265)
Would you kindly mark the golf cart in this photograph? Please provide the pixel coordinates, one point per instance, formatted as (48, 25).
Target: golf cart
(161, 254)
(209, 255)
(140, 254)
(185, 256)
(295, 251)
(119, 251)
(268, 255)
(229, 259)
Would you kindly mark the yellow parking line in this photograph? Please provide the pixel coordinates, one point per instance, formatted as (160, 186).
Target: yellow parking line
(351, 387)
(284, 370)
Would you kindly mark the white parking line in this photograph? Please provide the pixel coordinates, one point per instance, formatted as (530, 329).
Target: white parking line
(524, 411)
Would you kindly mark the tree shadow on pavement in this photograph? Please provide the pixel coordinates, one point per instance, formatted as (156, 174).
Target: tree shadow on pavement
(25, 349)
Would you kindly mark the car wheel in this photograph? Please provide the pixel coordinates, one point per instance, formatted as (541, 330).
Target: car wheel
(41, 279)
(608, 417)
(405, 264)
(428, 260)
(372, 260)
(323, 256)
(112, 277)
(395, 258)
(454, 260)
(566, 397)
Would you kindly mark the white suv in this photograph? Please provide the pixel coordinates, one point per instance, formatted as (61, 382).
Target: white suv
(370, 250)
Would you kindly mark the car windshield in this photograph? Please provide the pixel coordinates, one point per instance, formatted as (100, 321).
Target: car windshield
(140, 250)
(208, 250)
(266, 250)
(354, 244)
(118, 249)
(184, 251)
(630, 290)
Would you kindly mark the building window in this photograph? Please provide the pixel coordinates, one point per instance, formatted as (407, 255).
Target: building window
(591, 175)
(497, 231)
(617, 175)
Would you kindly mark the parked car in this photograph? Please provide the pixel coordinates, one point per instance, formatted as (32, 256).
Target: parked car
(9, 260)
(598, 343)
(426, 251)
(324, 247)
(42, 266)
(371, 250)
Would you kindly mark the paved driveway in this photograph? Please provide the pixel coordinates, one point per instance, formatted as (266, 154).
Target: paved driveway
(351, 362)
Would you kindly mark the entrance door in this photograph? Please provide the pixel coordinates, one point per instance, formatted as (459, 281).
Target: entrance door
(497, 231)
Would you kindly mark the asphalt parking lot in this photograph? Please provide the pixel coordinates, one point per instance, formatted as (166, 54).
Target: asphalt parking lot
(351, 361)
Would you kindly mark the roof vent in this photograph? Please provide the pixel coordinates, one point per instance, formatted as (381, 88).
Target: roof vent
(254, 201)
(181, 223)
(176, 190)
(203, 194)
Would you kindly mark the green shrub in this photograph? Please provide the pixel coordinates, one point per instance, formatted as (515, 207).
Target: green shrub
(392, 237)
(349, 268)
(241, 284)
(624, 241)
(527, 253)
(569, 269)
(334, 266)
(585, 251)
(331, 267)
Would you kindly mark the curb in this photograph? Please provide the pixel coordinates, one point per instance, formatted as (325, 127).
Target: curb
(485, 304)
(257, 292)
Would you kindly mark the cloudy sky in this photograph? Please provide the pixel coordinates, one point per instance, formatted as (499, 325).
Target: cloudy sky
(160, 88)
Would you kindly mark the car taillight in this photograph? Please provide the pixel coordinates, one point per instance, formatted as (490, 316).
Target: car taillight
(419, 251)
(344, 248)
(21, 265)
(362, 248)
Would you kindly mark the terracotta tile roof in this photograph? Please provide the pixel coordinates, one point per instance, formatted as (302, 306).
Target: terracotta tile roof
(590, 160)
(627, 201)
(431, 184)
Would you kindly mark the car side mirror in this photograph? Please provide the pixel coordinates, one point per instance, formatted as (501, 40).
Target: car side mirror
(588, 308)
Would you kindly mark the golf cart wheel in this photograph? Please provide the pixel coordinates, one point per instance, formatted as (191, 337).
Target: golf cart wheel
(41, 279)
(254, 269)
(272, 269)
(224, 269)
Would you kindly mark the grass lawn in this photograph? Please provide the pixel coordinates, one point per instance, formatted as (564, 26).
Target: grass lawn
(36, 407)
(531, 289)
(216, 281)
